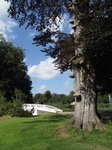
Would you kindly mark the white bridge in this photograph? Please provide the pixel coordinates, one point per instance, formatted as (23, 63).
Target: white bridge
(40, 108)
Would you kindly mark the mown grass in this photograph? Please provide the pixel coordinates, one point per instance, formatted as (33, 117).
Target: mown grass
(46, 132)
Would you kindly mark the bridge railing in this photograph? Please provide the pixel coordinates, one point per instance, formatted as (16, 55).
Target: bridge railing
(41, 107)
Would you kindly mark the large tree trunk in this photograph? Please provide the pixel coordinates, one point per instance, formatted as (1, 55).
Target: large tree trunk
(85, 115)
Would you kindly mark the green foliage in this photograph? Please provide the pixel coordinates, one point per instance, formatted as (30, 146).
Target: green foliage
(103, 98)
(14, 108)
(103, 102)
(47, 95)
(71, 97)
(13, 71)
(96, 37)
(37, 98)
(61, 101)
(17, 110)
(3, 105)
(47, 132)
(42, 98)
(18, 95)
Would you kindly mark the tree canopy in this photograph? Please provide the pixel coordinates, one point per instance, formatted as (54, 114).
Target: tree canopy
(13, 71)
(96, 35)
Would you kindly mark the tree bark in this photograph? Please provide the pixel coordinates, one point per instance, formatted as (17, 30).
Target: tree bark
(85, 114)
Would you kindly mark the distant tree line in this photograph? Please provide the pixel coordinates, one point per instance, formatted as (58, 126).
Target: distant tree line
(61, 101)
(47, 97)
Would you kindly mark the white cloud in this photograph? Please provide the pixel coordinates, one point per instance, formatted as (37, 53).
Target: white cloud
(3, 8)
(66, 85)
(42, 89)
(45, 70)
(32, 34)
(6, 23)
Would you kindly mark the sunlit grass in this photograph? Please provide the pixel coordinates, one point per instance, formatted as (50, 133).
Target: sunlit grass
(46, 133)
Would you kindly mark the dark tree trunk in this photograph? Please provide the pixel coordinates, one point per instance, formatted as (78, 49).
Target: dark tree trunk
(85, 114)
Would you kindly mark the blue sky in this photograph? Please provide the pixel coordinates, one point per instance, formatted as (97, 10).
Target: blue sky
(41, 70)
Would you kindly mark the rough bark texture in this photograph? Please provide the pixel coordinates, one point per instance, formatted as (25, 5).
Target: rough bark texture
(85, 115)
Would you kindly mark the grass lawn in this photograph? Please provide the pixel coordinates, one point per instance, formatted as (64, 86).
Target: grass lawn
(45, 133)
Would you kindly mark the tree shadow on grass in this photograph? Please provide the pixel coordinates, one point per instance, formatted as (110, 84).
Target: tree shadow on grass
(50, 118)
(106, 115)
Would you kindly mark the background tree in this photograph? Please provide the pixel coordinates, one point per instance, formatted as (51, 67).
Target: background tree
(13, 73)
(90, 17)
(37, 98)
(70, 98)
(47, 95)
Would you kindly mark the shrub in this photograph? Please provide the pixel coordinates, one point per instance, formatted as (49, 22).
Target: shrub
(14, 108)
(1, 113)
(19, 112)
